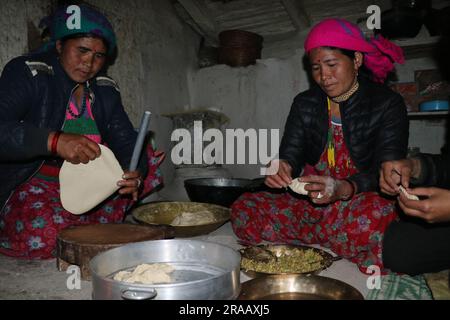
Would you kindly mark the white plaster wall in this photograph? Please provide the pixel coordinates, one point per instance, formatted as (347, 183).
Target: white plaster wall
(427, 134)
(258, 96)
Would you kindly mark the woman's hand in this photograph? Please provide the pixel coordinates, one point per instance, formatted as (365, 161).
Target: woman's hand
(75, 148)
(130, 184)
(281, 175)
(393, 173)
(436, 208)
(325, 189)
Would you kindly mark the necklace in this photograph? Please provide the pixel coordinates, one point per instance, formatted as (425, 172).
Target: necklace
(83, 104)
(348, 94)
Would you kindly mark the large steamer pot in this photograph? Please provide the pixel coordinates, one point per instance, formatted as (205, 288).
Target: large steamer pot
(203, 270)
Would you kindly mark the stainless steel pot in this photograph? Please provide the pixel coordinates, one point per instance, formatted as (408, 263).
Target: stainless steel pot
(203, 270)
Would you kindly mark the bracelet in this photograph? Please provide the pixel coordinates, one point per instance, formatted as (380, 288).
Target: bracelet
(55, 142)
(348, 197)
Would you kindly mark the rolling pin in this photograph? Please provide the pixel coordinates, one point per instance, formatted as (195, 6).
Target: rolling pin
(140, 140)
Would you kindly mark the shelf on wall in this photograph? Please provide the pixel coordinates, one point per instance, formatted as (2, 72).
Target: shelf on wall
(427, 114)
(418, 47)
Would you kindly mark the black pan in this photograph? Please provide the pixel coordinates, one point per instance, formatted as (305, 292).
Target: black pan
(220, 191)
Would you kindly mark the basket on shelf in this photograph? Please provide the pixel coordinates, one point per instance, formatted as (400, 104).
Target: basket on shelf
(239, 48)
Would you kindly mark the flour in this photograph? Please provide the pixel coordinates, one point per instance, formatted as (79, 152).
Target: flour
(147, 274)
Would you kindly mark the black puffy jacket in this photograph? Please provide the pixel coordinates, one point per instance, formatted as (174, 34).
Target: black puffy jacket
(34, 94)
(374, 123)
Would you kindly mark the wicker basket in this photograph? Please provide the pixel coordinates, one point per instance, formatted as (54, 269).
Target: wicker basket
(239, 48)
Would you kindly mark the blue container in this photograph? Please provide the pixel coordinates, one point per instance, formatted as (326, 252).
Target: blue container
(435, 105)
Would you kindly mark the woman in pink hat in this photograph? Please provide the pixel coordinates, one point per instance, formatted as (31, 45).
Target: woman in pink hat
(336, 136)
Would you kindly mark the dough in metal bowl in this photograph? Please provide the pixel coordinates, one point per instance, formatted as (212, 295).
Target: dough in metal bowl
(147, 274)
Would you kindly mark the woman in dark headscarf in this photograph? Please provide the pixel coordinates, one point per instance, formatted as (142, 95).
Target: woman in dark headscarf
(57, 105)
(336, 136)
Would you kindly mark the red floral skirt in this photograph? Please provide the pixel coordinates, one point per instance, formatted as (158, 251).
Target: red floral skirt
(352, 229)
(33, 215)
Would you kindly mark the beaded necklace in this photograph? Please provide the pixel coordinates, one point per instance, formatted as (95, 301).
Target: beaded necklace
(345, 96)
(83, 104)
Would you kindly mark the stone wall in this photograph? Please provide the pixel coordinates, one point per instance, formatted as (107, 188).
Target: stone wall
(14, 17)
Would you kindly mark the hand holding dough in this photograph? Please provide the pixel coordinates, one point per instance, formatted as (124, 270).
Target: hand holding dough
(84, 186)
(409, 196)
(298, 187)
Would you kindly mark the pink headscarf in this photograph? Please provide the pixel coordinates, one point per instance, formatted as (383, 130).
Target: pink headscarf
(379, 53)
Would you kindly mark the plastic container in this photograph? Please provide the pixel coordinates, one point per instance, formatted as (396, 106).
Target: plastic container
(435, 105)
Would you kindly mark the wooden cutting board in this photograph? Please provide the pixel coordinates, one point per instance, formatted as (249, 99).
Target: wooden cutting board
(78, 245)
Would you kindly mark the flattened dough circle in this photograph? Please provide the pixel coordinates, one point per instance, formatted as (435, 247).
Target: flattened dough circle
(84, 186)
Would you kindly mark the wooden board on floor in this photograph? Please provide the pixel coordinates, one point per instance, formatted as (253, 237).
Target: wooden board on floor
(78, 245)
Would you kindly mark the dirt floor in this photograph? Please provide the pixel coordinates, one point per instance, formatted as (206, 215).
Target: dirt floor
(39, 280)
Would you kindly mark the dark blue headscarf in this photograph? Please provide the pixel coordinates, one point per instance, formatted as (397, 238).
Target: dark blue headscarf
(91, 21)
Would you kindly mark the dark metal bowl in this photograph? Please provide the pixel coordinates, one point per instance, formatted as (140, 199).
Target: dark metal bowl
(398, 23)
(221, 191)
(163, 213)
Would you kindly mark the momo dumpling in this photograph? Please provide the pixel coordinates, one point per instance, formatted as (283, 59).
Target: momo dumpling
(409, 196)
(298, 187)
